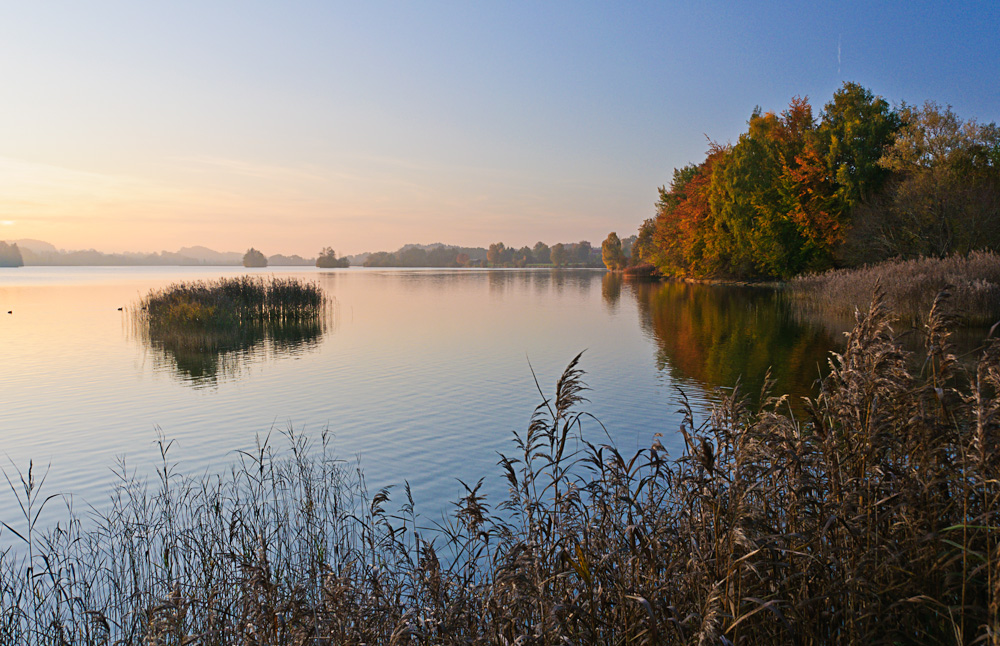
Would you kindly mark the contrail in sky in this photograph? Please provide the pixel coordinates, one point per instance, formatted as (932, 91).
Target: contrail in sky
(838, 54)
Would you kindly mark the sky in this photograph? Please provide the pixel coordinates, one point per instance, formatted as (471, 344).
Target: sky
(141, 126)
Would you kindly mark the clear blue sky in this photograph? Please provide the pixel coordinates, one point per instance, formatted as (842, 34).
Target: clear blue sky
(366, 125)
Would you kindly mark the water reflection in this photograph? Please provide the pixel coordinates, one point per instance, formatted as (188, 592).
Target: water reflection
(200, 357)
(718, 335)
(611, 291)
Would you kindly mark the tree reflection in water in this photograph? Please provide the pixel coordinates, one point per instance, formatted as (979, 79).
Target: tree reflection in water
(719, 336)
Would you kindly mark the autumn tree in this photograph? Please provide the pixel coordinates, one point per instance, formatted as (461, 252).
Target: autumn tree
(611, 252)
(814, 208)
(683, 232)
(773, 205)
(495, 254)
(794, 191)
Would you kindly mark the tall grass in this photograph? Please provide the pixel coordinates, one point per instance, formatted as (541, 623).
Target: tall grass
(874, 519)
(228, 302)
(910, 287)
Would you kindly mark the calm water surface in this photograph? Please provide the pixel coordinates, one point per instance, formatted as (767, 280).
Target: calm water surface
(422, 374)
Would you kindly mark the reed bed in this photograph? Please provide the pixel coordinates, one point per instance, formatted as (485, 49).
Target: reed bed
(910, 287)
(229, 302)
(208, 329)
(873, 519)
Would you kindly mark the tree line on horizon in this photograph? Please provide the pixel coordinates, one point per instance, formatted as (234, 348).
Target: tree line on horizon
(326, 259)
(575, 254)
(92, 257)
(861, 183)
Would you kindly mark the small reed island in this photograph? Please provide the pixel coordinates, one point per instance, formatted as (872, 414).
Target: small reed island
(232, 302)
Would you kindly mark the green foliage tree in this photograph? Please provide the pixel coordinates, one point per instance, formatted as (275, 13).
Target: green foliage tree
(581, 252)
(944, 196)
(10, 255)
(441, 256)
(627, 245)
(541, 252)
(381, 259)
(438, 255)
(755, 195)
(413, 257)
(644, 248)
(254, 258)
(558, 255)
(855, 129)
(611, 252)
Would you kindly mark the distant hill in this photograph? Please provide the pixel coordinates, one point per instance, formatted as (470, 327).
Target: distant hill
(294, 260)
(427, 247)
(358, 258)
(38, 246)
(39, 252)
(10, 255)
(210, 256)
(92, 257)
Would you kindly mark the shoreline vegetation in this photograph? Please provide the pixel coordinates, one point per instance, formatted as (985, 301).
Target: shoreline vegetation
(910, 287)
(859, 184)
(498, 255)
(873, 518)
(575, 254)
(829, 205)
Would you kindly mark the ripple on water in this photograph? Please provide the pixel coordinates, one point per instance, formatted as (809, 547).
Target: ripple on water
(425, 375)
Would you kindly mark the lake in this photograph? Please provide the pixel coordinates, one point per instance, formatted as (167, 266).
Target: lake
(420, 375)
